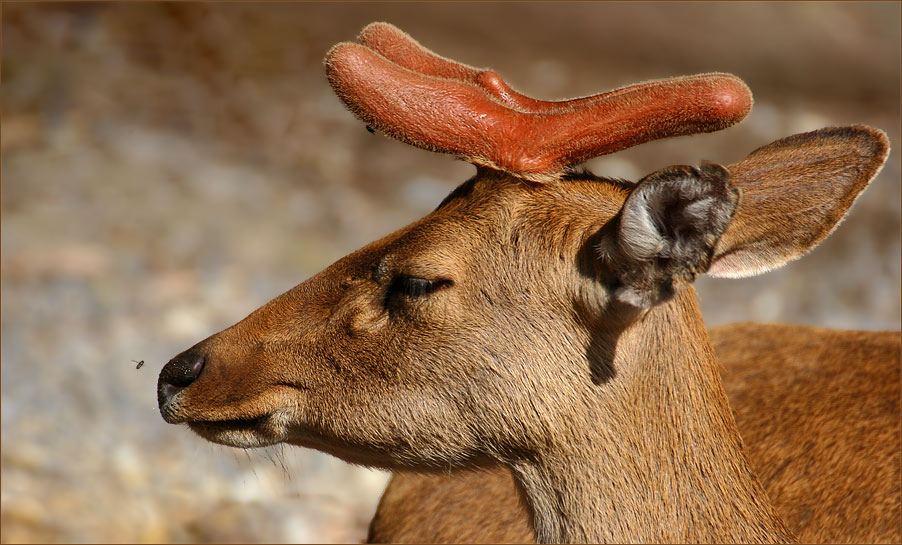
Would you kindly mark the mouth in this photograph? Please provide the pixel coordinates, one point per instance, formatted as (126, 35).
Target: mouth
(242, 425)
(254, 432)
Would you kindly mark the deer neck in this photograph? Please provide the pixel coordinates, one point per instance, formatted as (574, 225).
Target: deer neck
(658, 458)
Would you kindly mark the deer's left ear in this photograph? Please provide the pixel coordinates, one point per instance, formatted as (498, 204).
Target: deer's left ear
(666, 232)
(795, 191)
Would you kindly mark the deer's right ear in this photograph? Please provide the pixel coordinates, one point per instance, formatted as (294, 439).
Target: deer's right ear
(665, 234)
(795, 191)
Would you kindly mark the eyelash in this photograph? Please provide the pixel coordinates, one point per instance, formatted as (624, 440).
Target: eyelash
(412, 286)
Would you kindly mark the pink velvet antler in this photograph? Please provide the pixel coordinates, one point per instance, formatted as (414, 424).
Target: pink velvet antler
(397, 46)
(397, 86)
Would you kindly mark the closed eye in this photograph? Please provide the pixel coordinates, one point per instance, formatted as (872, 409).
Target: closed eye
(412, 286)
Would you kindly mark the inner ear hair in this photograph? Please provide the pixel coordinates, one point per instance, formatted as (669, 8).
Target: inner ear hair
(666, 232)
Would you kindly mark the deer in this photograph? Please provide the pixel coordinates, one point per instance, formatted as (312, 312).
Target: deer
(540, 325)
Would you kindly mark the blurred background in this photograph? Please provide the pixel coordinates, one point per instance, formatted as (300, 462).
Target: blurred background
(168, 168)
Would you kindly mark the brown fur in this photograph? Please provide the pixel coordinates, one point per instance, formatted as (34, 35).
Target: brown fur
(818, 410)
(829, 455)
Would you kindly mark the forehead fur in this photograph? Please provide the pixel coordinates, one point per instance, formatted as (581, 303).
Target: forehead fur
(572, 204)
(491, 189)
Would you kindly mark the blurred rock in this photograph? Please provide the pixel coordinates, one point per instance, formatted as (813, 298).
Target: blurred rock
(21, 131)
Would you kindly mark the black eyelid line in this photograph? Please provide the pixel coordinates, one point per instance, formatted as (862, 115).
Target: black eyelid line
(415, 286)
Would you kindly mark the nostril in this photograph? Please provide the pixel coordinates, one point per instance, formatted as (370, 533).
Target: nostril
(177, 375)
(182, 370)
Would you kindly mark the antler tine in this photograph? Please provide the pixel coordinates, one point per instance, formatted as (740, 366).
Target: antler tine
(441, 105)
(400, 48)
(397, 46)
(443, 115)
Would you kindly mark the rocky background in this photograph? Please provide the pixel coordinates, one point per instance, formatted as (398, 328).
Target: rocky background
(168, 168)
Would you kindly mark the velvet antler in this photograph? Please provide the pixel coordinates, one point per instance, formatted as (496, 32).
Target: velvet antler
(396, 85)
(397, 46)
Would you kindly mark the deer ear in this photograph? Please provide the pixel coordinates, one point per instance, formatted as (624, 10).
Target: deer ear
(667, 230)
(795, 191)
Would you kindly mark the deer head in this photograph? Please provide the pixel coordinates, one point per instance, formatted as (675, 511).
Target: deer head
(538, 314)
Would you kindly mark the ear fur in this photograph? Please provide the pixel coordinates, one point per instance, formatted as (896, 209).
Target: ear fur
(795, 192)
(667, 230)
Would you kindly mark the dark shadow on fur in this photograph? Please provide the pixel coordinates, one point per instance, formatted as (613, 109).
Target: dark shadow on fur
(584, 174)
(605, 319)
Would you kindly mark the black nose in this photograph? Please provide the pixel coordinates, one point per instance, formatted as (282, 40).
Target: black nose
(179, 373)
